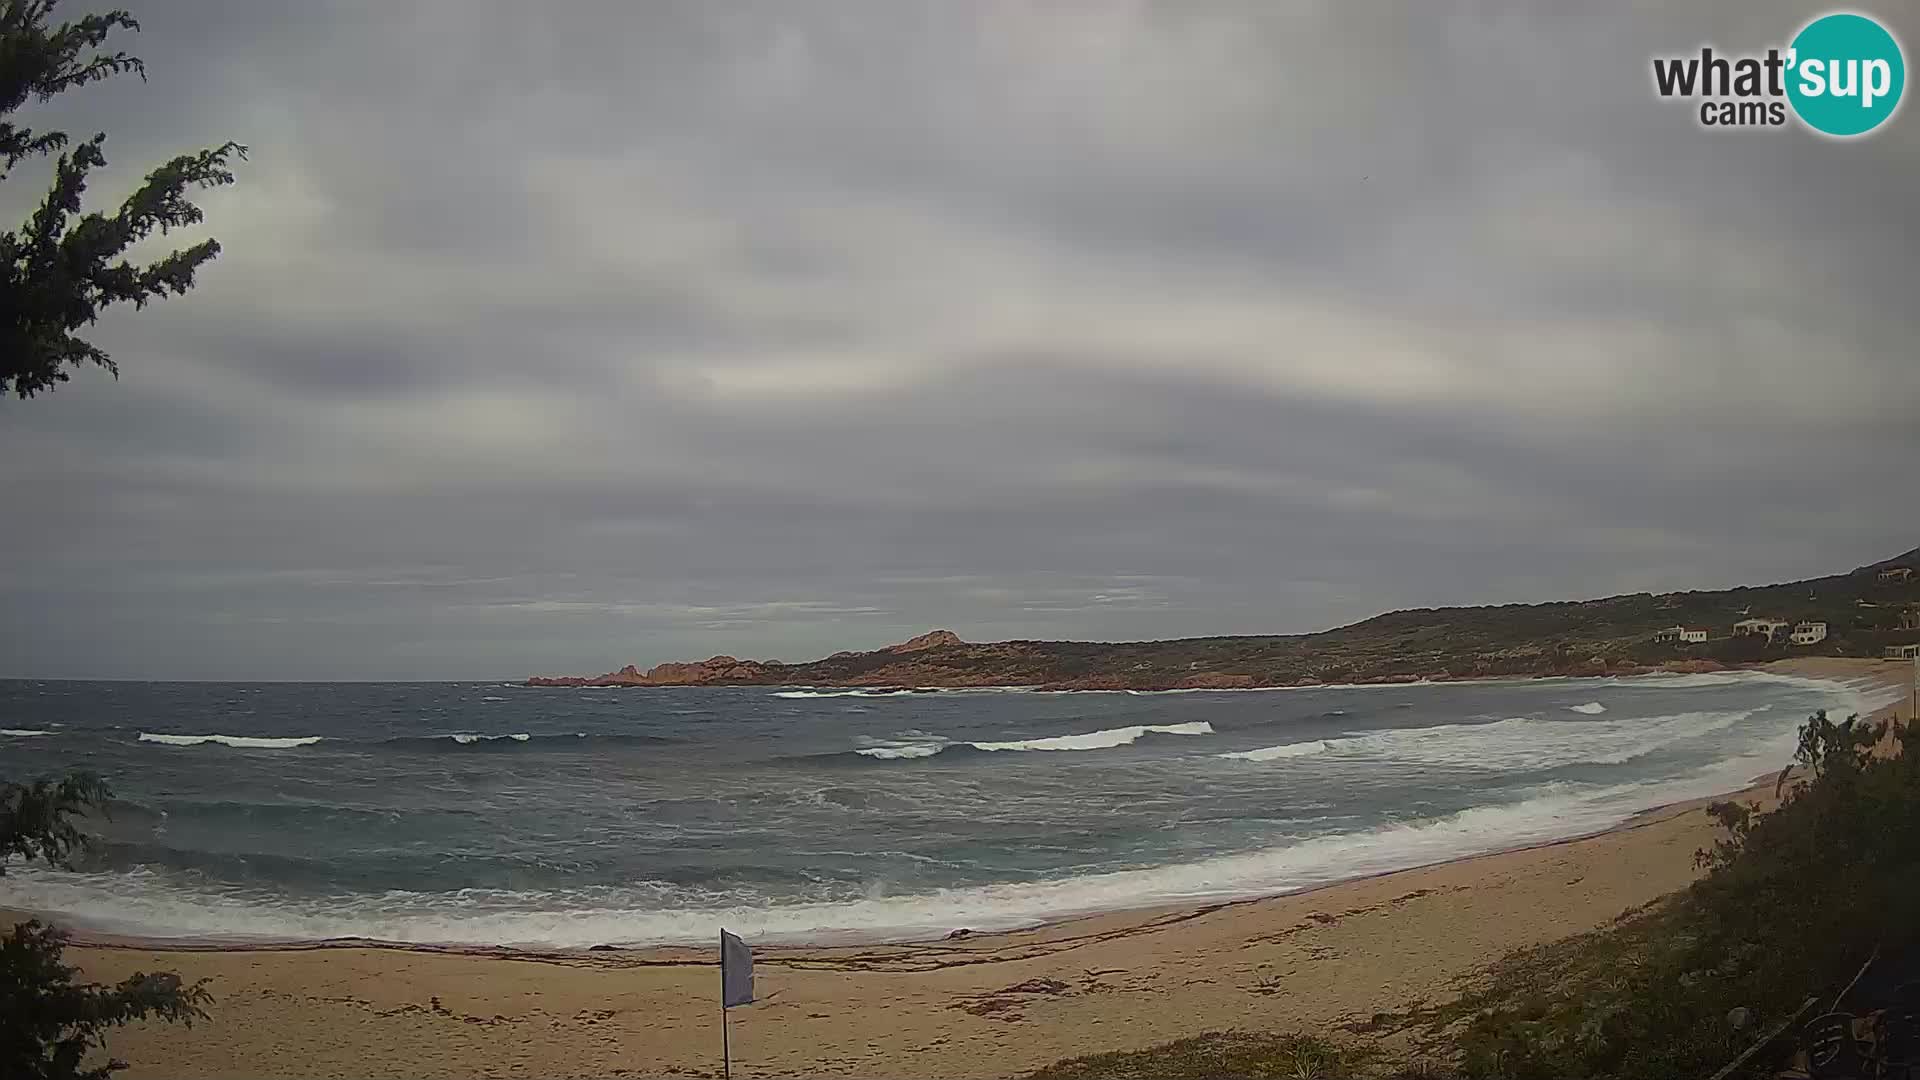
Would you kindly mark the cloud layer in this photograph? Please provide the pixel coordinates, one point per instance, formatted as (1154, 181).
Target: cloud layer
(558, 339)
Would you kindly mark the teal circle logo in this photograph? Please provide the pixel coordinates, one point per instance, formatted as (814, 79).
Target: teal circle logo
(1846, 74)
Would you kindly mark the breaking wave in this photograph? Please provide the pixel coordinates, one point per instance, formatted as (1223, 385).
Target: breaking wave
(473, 741)
(522, 890)
(144, 901)
(238, 742)
(1521, 743)
(905, 751)
(452, 741)
(1287, 750)
(1591, 708)
(22, 733)
(823, 693)
(884, 691)
(1100, 740)
(916, 745)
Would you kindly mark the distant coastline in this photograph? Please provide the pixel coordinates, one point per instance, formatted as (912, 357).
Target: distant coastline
(1860, 614)
(727, 671)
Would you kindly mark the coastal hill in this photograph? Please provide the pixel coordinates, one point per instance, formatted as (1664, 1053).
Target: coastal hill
(1864, 611)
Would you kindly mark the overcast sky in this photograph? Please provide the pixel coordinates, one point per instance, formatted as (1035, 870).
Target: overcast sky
(553, 337)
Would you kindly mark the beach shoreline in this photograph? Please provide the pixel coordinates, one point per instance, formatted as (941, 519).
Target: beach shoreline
(989, 1004)
(1821, 668)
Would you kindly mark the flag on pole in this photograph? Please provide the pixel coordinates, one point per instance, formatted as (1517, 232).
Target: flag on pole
(736, 972)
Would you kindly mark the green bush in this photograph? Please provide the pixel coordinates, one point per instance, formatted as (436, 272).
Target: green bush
(1793, 902)
(1217, 1055)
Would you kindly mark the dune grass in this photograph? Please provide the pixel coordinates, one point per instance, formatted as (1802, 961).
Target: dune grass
(1221, 1054)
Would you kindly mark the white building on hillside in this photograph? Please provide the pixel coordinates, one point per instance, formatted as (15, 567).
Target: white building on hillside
(1693, 637)
(1897, 573)
(1808, 633)
(1766, 628)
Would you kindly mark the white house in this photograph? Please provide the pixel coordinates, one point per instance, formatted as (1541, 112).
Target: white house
(1902, 652)
(1808, 633)
(1897, 573)
(1693, 637)
(1765, 628)
(1671, 633)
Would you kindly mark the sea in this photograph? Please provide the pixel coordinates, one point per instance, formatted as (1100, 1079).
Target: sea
(495, 814)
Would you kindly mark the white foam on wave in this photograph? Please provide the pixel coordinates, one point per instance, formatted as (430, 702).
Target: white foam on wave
(1749, 677)
(493, 699)
(919, 744)
(1099, 740)
(238, 742)
(823, 693)
(1700, 681)
(466, 738)
(143, 902)
(22, 733)
(1517, 744)
(1287, 750)
(1525, 743)
(871, 693)
(1591, 708)
(1134, 693)
(908, 750)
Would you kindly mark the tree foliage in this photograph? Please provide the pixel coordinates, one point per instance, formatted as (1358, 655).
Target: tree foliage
(57, 272)
(50, 1023)
(61, 268)
(36, 819)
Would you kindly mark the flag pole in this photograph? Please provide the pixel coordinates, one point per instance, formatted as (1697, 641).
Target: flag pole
(726, 1047)
(736, 988)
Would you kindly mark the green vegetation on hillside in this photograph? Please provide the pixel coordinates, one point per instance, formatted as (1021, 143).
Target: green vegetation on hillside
(1793, 903)
(1863, 615)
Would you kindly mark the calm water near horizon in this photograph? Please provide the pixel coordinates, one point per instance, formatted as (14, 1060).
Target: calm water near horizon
(487, 813)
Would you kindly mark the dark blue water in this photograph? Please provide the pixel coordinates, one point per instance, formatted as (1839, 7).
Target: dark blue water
(501, 814)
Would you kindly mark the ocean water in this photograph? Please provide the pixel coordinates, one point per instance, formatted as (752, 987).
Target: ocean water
(486, 813)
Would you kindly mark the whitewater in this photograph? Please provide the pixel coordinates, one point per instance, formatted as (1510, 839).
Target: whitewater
(460, 814)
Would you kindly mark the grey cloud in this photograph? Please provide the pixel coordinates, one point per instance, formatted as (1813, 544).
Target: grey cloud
(558, 340)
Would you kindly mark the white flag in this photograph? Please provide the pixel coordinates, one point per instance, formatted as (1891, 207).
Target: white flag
(736, 972)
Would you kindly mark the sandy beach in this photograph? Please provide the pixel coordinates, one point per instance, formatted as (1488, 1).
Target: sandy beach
(986, 1006)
